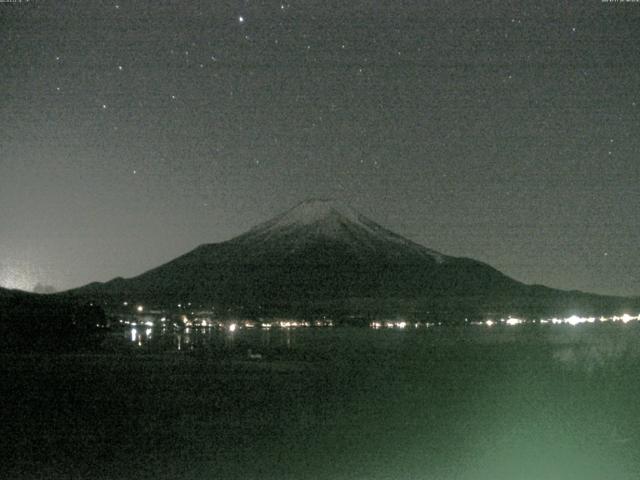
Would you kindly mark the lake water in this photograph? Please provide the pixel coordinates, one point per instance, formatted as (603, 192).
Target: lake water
(524, 402)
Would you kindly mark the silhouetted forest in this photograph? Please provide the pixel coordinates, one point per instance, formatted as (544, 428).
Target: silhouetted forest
(31, 322)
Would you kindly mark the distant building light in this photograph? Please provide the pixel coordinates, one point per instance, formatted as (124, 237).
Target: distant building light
(627, 318)
(574, 320)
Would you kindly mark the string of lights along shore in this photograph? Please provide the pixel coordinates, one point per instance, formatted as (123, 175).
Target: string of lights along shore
(133, 131)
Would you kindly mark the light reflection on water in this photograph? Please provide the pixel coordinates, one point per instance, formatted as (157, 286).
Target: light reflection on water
(192, 338)
(587, 344)
(482, 402)
(453, 403)
(190, 335)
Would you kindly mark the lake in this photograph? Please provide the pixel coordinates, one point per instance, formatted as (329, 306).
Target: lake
(469, 403)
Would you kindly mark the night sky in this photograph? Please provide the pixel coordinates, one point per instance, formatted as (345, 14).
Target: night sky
(133, 131)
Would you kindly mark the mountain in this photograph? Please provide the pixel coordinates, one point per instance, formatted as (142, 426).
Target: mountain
(322, 257)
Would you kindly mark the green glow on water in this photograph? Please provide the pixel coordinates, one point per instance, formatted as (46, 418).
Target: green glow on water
(337, 404)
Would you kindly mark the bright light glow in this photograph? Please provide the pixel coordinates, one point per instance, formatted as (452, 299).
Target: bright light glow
(18, 275)
(148, 323)
(573, 320)
(513, 321)
(232, 327)
(489, 323)
(140, 308)
(134, 334)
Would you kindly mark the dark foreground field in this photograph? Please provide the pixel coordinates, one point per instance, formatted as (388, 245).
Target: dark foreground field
(471, 404)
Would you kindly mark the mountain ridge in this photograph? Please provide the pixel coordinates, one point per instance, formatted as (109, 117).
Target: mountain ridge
(321, 253)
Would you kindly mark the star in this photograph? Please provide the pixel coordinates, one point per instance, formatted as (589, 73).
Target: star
(120, 67)
(240, 19)
(104, 106)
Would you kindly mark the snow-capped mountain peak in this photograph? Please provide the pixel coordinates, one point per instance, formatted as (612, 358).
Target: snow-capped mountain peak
(323, 216)
(313, 211)
(329, 219)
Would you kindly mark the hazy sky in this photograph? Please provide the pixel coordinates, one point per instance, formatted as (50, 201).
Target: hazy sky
(509, 132)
